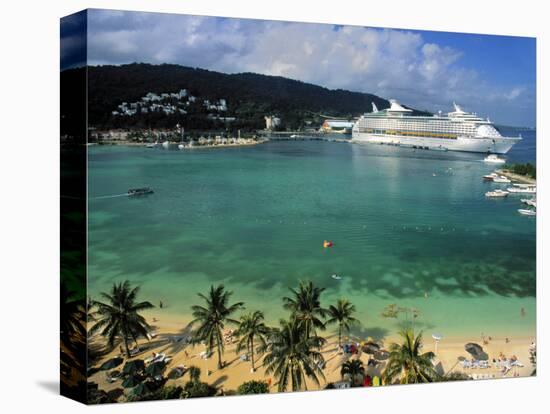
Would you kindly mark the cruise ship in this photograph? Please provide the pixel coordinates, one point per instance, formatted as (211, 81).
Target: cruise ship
(457, 131)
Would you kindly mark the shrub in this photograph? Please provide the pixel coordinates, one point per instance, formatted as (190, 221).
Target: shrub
(253, 387)
(194, 389)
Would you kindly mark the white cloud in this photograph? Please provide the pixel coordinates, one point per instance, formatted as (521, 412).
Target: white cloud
(390, 63)
(514, 93)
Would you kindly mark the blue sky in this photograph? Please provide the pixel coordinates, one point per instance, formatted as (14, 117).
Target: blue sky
(492, 75)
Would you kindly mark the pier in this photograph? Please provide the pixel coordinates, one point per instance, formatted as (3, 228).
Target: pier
(303, 136)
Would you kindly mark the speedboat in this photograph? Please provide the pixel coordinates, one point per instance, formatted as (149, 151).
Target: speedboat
(527, 212)
(496, 193)
(529, 201)
(336, 277)
(522, 190)
(493, 158)
(502, 179)
(140, 191)
(490, 177)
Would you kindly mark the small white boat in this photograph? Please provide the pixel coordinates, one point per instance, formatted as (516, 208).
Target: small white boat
(496, 193)
(527, 212)
(502, 180)
(529, 201)
(166, 144)
(522, 190)
(490, 177)
(152, 144)
(336, 277)
(181, 146)
(493, 158)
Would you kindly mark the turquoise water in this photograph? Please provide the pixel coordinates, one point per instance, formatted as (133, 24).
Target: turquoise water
(411, 228)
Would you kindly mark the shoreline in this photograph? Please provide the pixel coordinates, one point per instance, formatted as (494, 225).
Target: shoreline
(172, 144)
(170, 339)
(516, 177)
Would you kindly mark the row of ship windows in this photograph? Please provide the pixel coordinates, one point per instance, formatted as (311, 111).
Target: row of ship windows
(422, 127)
(411, 133)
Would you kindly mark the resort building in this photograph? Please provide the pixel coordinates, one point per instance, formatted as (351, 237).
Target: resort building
(272, 122)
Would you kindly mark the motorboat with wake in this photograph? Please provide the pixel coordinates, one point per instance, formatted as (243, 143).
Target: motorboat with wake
(140, 191)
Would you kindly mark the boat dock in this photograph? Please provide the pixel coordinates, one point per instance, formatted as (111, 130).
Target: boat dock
(303, 136)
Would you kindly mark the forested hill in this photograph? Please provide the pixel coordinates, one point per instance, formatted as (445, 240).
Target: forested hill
(249, 96)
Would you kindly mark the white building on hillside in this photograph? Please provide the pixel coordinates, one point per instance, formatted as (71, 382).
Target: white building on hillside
(272, 122)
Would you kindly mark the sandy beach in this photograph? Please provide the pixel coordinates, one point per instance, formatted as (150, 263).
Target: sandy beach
(170, 339)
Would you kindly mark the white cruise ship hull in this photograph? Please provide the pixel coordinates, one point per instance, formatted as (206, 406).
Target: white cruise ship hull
(494, 145)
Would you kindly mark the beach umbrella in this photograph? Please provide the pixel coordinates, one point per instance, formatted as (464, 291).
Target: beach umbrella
(156, 368)
(381, 355)
(371, 347)
(142, 389)
(114, 374)
(131, 381)
(476, 351)
(115, 394)
(131, 367)
(110, 364)
(176, 373)
(437, 337)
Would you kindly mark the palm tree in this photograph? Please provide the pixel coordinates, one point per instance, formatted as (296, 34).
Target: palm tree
(292, 356)
(407, 363)
(354, 369)
(194, 373)
(341, 314)
(251, 328)
(305, 305)
(213, 317)
(73, 349)
(119, 315)
(73, 317)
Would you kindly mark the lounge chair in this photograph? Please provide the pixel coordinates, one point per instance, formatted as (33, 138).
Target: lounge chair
(516, 363)
(135, 351)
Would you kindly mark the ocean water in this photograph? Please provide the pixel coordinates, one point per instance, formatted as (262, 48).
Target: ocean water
(409, 227)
